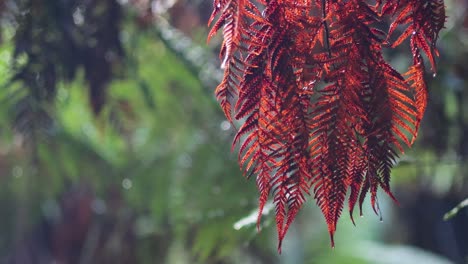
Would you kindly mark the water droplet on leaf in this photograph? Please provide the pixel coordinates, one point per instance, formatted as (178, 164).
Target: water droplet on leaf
(225, 125)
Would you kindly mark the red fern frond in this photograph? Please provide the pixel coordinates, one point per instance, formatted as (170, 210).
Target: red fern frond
(321, 110)
(418, 83)
(234, 17)
(425, 19)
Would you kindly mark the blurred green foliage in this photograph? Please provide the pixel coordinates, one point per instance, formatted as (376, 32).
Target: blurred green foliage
(156, 167)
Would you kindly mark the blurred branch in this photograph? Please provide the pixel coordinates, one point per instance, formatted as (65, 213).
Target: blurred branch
(90, 244)
(252, 218)
(199, 61)
(409, 160)
(455, 210)
(379, 253)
